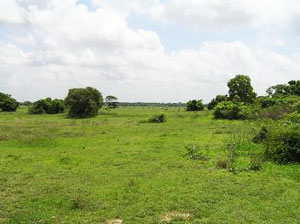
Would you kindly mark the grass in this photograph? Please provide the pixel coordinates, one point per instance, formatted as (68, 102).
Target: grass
(117, 167)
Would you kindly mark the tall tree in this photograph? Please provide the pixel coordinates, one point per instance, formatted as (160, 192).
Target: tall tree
(240, 89)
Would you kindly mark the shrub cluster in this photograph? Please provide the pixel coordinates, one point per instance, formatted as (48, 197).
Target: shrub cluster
(281, 140)
(47, 106)
(159, 118)
(83, 102)
(229, 110)
(7, 103)
(194, 105)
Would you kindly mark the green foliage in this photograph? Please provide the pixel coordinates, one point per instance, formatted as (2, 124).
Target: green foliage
(215, 101)
(256, 163)
(281, 140)
(159, 118)
(7, 103)
(228, 110)
(240, 88)
(194, 153)
(261, 135)
(292, 88)
(222, 164)
(283, 145)
(111, 101)
(194, 105)
(83, 102)
(47, 106)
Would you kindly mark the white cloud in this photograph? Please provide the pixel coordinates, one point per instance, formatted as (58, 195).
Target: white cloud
(224, 14)
(72, 46)
(10, 12)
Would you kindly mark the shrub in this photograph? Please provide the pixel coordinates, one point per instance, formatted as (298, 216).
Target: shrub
(228, 110)
(282, 142)
(222, 164)
(194, 153)
(256, 162)
(283, 146)
(47, 106)
(261, 135)
(275, 112)
(159, 118)
(7, 103)
(194, 105)
(215, 101)
(83, 102)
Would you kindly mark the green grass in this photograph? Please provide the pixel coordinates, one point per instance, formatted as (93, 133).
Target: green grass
(116, 166)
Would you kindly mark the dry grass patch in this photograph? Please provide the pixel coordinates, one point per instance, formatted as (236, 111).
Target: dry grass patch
(170, 216)
(114, 221)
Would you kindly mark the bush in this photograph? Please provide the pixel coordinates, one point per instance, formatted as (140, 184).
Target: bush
(83, 102)
(222, 164)
(194, 153)
(214, 102)
(275, 112)
(159, 118)
(261, 135)
(282, 142)
(284, 146)
(47, 106)
(194, 105)
(7, 103)
(228, 110)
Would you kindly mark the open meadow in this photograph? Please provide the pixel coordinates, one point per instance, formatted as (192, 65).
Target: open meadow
(117, 167)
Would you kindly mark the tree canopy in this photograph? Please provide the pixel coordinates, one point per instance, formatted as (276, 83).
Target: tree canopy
(240, 89)
(83, 102)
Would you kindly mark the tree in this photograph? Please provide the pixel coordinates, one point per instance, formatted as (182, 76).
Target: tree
(7, 103)
(240, 89)
(47, 106)
(215, 101)
(194, 105)
(83, 102)
(292, 88)
(111, 101)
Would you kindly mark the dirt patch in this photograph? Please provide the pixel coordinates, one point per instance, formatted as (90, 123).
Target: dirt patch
(114, 221)
(170, 216)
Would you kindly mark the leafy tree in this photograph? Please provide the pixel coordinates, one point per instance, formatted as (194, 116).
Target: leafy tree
(292, 88)
(47, 106)
(7, 103)
(111, 101)
(240, 89)
(215, 101)
(194, 105)
(83, 102)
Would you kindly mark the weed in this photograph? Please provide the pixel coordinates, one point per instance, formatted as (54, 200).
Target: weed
(194, 153)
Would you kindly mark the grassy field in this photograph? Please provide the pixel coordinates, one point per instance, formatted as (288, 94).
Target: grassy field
(116, 167)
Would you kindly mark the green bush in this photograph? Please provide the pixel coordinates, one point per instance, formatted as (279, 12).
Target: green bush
(47, 106)
(283, 146)
(159, 118)
(275, 112)
(228, 110)
(214, 102)
(194, 105)
(83, 102)
(7, 103)
(282, 142)
(194, 153)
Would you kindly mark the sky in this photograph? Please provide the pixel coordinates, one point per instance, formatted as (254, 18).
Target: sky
(146, 50)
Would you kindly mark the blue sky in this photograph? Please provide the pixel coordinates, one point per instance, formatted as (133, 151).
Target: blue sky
(146, 50)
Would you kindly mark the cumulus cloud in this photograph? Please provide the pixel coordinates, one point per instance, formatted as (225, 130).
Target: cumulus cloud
(73, 46)
(221, 15)
(10, 12)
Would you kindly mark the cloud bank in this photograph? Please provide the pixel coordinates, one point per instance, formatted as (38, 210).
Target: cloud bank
(55, 45)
